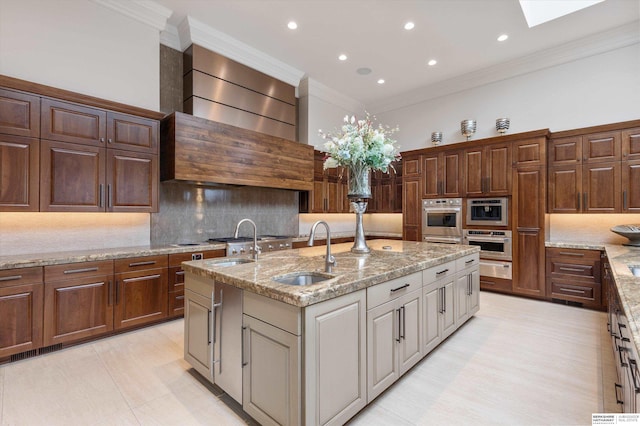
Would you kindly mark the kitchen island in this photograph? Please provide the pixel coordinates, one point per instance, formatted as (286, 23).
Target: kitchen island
(319, 353)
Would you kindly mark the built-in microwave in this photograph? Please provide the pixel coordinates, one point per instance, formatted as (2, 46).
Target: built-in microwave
(488, 211)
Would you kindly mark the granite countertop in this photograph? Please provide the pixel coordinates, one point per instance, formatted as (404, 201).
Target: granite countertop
(72, 256)
(388, 259)
(628, 285)
(586, 245)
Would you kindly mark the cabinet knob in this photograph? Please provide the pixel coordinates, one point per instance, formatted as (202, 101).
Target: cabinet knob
(102, 140)
(110, 140)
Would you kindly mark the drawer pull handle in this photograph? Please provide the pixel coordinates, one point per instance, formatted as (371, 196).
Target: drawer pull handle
(179, 273)
(570, 290)
(11, 278)
(79, 271)
(400, 288)
(442, 272)
(618, 400)
(149, 277)
(564, 268)
(179, 297)
(469, 261)
(568, 253)
(150, 262)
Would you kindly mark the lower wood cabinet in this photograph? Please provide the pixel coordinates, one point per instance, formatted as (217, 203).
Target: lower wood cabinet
(575, 275)
(79, 301)
(21, 310)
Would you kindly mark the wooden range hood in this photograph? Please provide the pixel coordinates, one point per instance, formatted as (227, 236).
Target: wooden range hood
(203, 151)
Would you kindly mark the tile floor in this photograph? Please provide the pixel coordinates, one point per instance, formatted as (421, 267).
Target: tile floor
(517, 361)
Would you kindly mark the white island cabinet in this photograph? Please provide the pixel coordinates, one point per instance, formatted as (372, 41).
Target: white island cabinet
(318, 354)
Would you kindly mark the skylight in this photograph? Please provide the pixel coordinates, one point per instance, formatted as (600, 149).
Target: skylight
(538, 12)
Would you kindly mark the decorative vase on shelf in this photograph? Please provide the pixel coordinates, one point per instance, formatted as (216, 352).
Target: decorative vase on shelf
(359, 193)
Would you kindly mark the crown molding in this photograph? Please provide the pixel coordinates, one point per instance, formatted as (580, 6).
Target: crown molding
(616, 38)
(146, 11)
(192, 31)
(170, 37)
(311, 87)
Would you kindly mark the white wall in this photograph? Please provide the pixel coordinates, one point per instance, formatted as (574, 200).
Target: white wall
(596, 90)
(81, 46)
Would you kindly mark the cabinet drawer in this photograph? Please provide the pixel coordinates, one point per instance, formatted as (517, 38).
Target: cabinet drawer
(467, 261)
(569, 290)
(381, 293)
(496, 284)
(141, 263)
(77, 270)
(176, 303)
(20, 276)
(569, 253)
(282, 315)
(581, 265)
(438, 272)
(579, 271)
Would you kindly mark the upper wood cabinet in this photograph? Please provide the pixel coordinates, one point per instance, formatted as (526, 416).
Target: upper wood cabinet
(131, 182)
(329, 194)
(529, 152)
(66, 122)
(20, 166)
(442, 174)
(590, 148)
(131, 133)
(19, 114)
(487, 170)
(631, 144)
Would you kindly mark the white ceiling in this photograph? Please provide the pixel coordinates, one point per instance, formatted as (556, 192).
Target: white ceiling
(460, 34)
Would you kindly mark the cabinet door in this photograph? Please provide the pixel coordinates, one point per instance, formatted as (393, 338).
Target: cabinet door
(411, 209)
(631, 186)
(75, 309)
(132, 182)
(317, 197)
(498, 170)
(271, 390)
(528, 274)
(66, 122)
(601, 186)
(198, 330)
(227, 337)
(140, 297)
(601, 147)
(335, 359)
(631, 144)
(565, 151)
(462, 295)
(474, 289)
(410, 345)
(331, 194)
(21, 310)
(431, 176)
(72, 177)
(382, 337)
(451, 174)
(20, 166)
(529, 152)
(448, 308)
(432, 330)
(473, 167)
(19, 114)
(132, 133)
(565, 189)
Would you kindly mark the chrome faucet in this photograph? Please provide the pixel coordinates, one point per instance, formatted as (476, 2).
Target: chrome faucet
(256, 249)
(330, 260)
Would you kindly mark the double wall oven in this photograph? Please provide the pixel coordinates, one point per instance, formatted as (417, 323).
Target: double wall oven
(442, 220)
(495, 251)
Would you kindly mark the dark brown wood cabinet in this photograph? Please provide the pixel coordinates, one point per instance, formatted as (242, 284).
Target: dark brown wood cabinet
(176, 277)
(21, 310)
(79, 301)
(442, 174)
(19, 113)
(575, 275)
(631, 186)
(487, 170)
(329, 194)
(68, 122)
(131, 182)
(412, 209)
(528, 213)
(141, 288)
(19, 181)
(386, 189)
(131, 133)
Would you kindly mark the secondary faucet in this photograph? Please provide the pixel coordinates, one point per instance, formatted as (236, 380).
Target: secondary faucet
(330, 260)
(256, 249)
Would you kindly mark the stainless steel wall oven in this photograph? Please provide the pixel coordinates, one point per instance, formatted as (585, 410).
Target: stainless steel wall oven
(442, 220)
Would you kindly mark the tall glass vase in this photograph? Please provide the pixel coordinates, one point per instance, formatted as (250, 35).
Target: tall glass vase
(359, 193)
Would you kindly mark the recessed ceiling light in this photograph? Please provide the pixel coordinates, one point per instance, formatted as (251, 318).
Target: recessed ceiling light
(503, 37)
(292, 25)
(432, 62)
(381, 81)
(342, 57)
(363, 71)
(409, 25)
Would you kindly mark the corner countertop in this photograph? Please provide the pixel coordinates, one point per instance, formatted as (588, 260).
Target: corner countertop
(621, 258)
(388, 259)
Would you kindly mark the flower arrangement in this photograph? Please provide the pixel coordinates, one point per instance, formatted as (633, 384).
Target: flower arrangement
(361, 144)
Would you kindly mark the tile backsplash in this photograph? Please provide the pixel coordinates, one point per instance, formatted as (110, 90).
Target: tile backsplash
(193, 213)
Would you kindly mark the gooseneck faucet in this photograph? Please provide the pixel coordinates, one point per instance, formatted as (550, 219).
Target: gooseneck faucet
(256, 249)
(330, 260)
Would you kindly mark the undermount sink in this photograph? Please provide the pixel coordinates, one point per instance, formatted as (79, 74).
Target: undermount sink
(303, 278)
(228, 262)
(635, 270)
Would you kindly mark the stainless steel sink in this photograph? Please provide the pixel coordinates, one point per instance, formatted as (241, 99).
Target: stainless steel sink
(635, 270)
(303, 278)
(228, 262)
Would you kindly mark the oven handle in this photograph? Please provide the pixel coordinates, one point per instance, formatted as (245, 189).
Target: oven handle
(489, 239)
